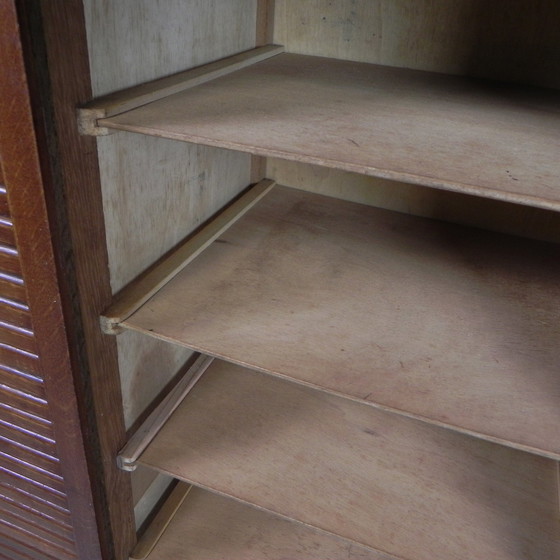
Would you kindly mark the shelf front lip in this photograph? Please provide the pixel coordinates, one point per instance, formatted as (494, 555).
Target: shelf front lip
(381, 403)
(548, 454)
(389, 174)
(498, 184)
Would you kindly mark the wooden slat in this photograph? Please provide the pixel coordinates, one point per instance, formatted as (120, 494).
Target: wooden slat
(12, 413)
(7, 232)
(210, 526)
(137, 96)
(9, 260)
(44, 548)
(4, 209)
(51, 529)
(28, 404)
(430, 129)
(26, 437)
(11, 286)
(452, 325)
(33, 502)
(17, 338)
(398, 485)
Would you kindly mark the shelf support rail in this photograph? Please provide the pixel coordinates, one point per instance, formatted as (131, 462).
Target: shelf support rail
(130, 453)
(134, 97)
(142, 289)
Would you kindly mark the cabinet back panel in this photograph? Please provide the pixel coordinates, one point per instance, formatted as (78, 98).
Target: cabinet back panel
(503, 39)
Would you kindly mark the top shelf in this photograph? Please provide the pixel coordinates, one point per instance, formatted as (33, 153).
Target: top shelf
(460, 134)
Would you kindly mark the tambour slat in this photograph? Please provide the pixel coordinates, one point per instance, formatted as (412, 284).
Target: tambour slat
(43, 506)
(27, 437)
(30, 471)
(22, 420)
(47, 529)
(17, 338)
(32, 487)
(15, 313)
(19, 359)
(21, 401)
(7, 236)
(45, 549)
(20, 380)
(12, 286)
(9, 260)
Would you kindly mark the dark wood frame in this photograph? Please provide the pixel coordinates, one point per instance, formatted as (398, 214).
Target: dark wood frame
(55, 197)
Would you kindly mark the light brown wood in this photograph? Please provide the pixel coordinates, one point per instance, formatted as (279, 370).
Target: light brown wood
(137, 293)
(398, 485)
(158, 526)
(210, 526)
(156, 420)
(423, 128)
(122, 101)
(503, 39)
(493, 215)
(453, 325)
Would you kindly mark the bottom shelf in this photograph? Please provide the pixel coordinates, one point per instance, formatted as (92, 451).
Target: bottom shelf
(207, 526)
(389, 482)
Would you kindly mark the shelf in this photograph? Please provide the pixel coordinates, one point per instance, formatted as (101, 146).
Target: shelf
(452, 325)
(460, 134)
(210, 526)
(398, 485)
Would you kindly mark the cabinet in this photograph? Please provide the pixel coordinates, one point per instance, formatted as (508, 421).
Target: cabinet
(386, 379)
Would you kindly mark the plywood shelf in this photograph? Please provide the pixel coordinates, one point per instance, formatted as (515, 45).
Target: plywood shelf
(452, 325)
(211, 526)
(431, 129)
(398, 485)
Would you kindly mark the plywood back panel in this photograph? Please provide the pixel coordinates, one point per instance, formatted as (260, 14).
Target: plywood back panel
(534, 223)
(503, 39)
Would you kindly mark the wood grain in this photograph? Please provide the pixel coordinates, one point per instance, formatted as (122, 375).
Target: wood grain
(402, 486)
(210, 526)
(119, 102)
(453, 325)
(503, 39)
(422, 128)
(493, 215)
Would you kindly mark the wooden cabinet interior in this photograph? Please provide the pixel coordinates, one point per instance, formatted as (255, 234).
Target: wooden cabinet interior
(449, 325)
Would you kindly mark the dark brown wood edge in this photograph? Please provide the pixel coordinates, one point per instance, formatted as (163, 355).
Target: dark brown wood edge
(23, 178)
(58, 60)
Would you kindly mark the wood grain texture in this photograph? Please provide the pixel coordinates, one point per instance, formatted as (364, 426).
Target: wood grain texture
(422, 128)
(210, 526)
(504, 39)
(412, 490)
(493, 215)
(453, 325)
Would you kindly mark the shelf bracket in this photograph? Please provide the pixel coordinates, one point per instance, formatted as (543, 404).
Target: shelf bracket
(126, 460)
(141, 290)
(134, 97)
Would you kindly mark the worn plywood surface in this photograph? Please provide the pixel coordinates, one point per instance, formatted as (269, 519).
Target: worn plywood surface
(453, 325)
(493, 215)
(446, 132)
(210, 526)
(503, 39)
(413, 490)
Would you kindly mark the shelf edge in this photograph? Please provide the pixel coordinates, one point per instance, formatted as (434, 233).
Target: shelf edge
(129, 454)
(163, 518)
(143, 288)
(136, 96)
